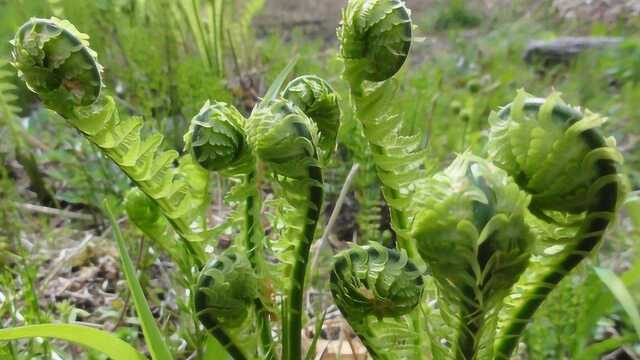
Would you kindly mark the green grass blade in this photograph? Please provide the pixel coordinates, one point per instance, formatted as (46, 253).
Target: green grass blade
(152, 335)
(275, 87)
(594, 352)
(621, 293)
(85, 336)
(316, 335)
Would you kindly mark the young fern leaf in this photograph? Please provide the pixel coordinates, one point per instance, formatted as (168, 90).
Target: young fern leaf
(375, 38)
(218, 142)
(472, 233)
(317, 99)
(373, 281)
(225, 294)
(285, 139)
(557, 154)
(145, 214)
(55, 61)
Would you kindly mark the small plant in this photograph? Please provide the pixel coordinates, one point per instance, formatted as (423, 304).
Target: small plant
(479, 245)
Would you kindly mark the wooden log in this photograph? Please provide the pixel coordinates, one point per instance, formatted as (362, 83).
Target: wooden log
(564, 49)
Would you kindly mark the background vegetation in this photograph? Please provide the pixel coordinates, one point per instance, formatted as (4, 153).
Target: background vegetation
(165, 58)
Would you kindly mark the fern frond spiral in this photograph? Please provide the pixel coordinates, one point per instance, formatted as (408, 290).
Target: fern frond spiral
(283, 137)
(557, 154)
(552, 150)
(472, 233)
(373, 281)
(317, 99)
(55, 61)
(217, 140)
(225, 294)
(375, 38)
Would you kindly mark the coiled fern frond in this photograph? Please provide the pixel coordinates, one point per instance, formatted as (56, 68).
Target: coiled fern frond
(373, 281)
(558, 155)
(224, 302)
(217, 140)
(375, 38)
(284, 138)
(472, 233)
(56, 62)
(552, 151)
(317, 99)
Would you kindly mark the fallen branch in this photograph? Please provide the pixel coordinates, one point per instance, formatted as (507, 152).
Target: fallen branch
(54, 212)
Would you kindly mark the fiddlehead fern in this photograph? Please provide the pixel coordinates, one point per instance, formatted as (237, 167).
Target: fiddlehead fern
(285, 139)
(375, 37)
(317, 99)
(56, 62)
(373, 281)
(557, 154)
(226, 291)
(218, 142)
(472, 233)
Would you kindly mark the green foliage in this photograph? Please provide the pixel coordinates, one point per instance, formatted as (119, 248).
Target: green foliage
(80, 334)
(459, 238)
(153, 337)
(555, 162)
(471, 231)
(55, 61)
(315, 97)
(284, 137)
(226, 290)
(216, 138)
(375, 37)
(225, 294)
(383, 283)
(456, 14)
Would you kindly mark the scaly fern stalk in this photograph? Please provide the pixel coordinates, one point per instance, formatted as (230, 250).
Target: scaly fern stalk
(55, 61)
(557, 154)
(373, 281)
(285, 139)
(472, 233)
(217, 140)
(375, 38)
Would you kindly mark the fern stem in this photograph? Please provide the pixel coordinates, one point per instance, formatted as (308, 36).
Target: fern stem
(400, 225)
(293, 349)
(223, 338)
(589, 237)
(471, 323)
(254, 252)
